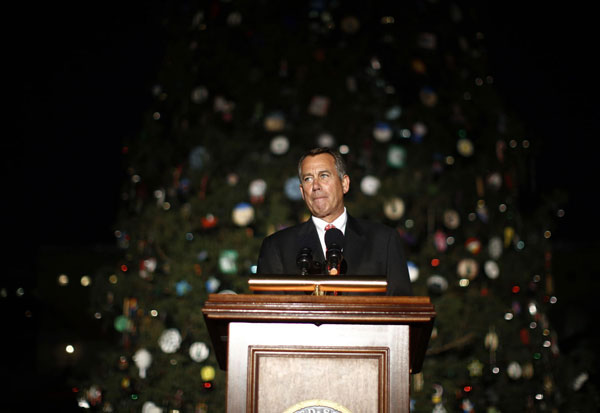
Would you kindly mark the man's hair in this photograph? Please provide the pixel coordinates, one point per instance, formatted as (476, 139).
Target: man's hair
(340, 165)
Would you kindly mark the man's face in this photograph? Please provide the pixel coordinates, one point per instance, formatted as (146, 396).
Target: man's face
(321, 187)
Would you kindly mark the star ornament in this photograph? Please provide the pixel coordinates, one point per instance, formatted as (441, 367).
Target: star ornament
(475, 368)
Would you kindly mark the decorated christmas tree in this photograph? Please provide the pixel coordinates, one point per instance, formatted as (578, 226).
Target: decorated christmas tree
(404, 91)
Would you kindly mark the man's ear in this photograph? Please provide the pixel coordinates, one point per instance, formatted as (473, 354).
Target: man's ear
(302, 191)
(345, 184)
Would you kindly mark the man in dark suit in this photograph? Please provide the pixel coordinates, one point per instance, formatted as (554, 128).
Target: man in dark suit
(369, 248)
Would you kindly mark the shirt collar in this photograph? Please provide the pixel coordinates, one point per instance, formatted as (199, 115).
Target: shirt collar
(339, 223)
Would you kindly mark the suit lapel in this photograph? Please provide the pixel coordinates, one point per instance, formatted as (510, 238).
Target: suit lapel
(354, 245)
(308, 237)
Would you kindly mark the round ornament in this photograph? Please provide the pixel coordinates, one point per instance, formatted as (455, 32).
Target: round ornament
(325, 140)
(122, 323)
(482, 213)
(514, 370)
(150, 407)
(199, 351)
(234, 18)
(509, 234)
(292, 188)
(369, 185)
(491, 269)
(393, 113)
(467, 268)
(142, 359)
(319, 106)
(439, 240)
(212, 284)
(147, 268)
(207, 373)
(228, 261)
(580, 380)
(123, 363)
(149, 264)
(419, 130)
(125, 383)
(467, 406)
(199, 94)
(182, 288)
(396, 156)
(232, 179)
(242, 214)
(428, 97)
(209, 221)
(382, 132)
(394, 208)
(280, 145)
(257, 188)
(413, 271)
(451, 219)
(94, 395)
(491, 340)
(528, 370)
(494, 180)
(465, 147)
(437, 284)
(495, 247)
(473, 245)
(198, 157)
(418, 66)
(439, 408)
(170, 340)
(274, 122)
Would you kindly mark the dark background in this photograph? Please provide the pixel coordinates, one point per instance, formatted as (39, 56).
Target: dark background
(83, 74)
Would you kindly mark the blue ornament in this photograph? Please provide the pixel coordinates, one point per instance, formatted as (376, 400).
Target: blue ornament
(292, 189)
(182, 288)
(198, 157)
(202, 255)
(212, 284)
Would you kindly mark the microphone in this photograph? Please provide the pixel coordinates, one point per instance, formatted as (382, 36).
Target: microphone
(334, 243)
(304, 260)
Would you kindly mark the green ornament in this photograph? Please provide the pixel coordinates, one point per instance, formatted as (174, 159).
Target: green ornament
(121, 323)
(227, 261)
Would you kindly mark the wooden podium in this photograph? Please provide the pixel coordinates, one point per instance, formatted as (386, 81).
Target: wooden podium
(318, 353)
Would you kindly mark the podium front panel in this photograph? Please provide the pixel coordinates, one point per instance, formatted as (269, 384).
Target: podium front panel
(281, 367)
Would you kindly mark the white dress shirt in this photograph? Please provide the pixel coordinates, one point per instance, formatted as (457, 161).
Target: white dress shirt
(339, 223)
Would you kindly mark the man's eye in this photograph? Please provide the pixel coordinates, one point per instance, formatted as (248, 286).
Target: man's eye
(308, 179)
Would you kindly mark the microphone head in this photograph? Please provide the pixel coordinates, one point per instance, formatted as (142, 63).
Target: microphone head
(335, 237)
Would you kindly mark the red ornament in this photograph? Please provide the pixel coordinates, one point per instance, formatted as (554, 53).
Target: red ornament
(473, 245)
(524, 334)
(209, 221)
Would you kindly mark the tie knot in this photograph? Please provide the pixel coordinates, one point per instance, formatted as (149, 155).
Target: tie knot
(329, 226)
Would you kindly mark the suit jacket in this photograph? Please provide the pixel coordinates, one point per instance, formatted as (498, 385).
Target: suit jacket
(370, 249)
